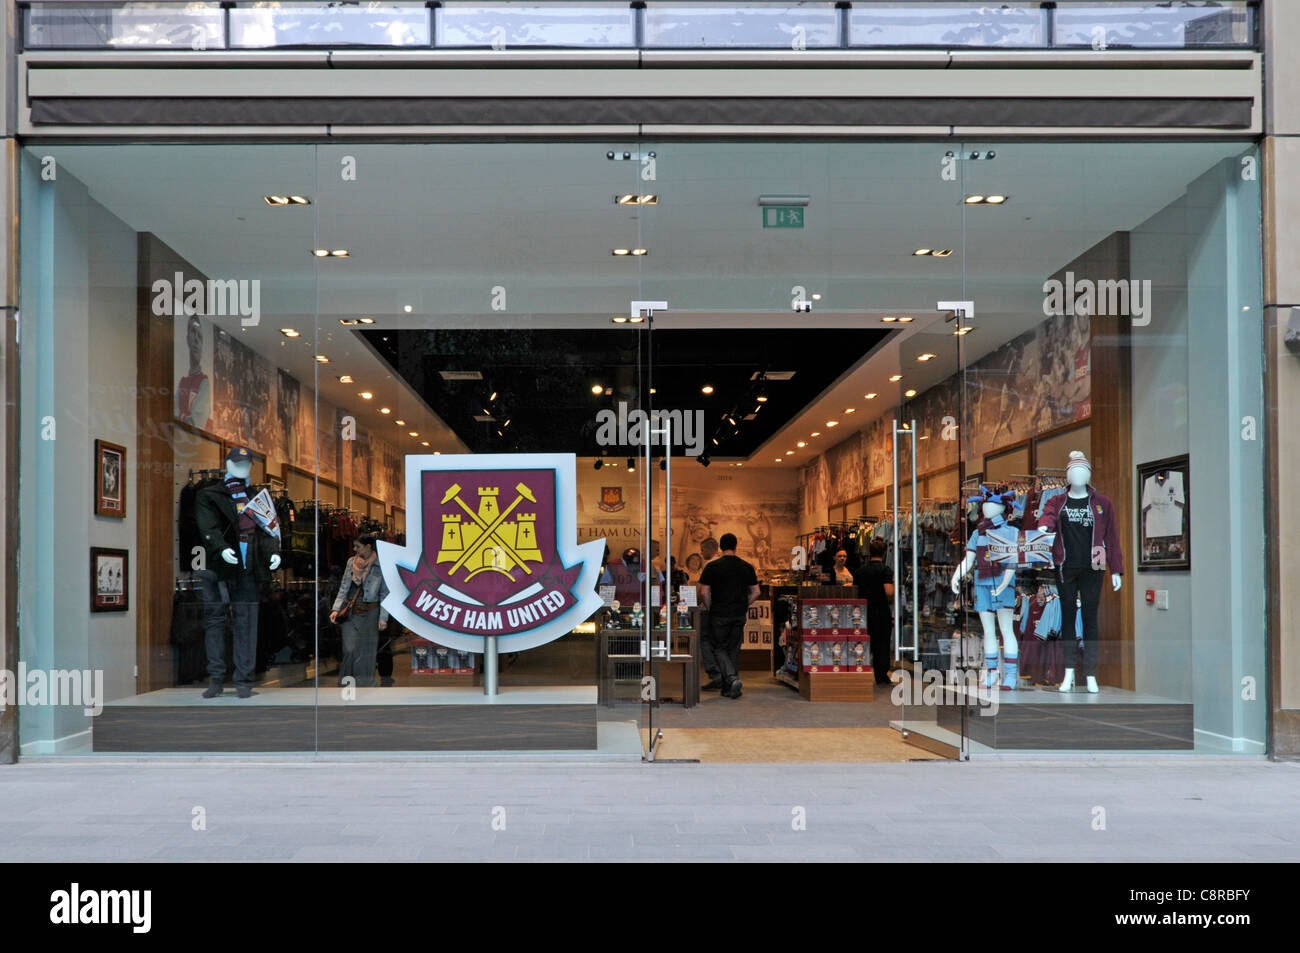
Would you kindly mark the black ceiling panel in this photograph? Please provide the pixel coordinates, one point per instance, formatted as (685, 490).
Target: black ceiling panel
(543, 380)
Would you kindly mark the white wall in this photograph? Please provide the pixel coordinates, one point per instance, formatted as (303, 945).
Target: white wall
(78, 371)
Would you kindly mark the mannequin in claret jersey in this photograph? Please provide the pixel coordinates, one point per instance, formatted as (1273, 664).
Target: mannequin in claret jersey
(1087, 547)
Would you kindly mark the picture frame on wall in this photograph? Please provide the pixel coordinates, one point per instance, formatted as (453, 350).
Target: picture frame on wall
(110, 479)
(110, 579)
(1164, 515)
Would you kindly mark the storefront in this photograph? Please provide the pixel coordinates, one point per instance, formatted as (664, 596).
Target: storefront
(850, 338)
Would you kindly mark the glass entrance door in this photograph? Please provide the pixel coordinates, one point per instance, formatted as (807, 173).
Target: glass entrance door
(922, 531)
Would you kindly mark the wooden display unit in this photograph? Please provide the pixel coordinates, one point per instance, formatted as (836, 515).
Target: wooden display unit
(837, 686)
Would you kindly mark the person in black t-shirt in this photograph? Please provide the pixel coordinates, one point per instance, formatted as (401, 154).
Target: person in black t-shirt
(727, 587)
(875, 582)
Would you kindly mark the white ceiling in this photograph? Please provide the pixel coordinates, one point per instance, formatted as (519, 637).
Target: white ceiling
(438, 227)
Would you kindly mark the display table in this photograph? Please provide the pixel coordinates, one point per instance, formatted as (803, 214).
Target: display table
(837, 686)
(834, 650)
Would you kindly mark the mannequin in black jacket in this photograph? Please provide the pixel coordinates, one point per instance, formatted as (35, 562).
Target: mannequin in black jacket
(240, 554)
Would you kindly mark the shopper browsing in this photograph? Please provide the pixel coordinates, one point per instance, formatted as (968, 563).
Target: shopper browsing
(360, 594)
(728, 586)
(875, 582)
(840, 574)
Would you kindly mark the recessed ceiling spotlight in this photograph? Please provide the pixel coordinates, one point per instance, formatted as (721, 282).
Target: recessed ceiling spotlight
(871, 396)
(941, 252)
(400, 423)
(407, 308)
(339, 253)
(276, 199)
(437, 453)
(365, 395)
(597, 389)
(801, 444)
(639, 252)
(631, 199)
(385, 410)
(299, 200)
(832, 423)
(761, 398)
(816, 296)
(322, 359)
(889, 319)
(962, 332)
(706, 389)
(620, 252)
(347, 322)
(927, 356)
(850, 410)
(974, 199)
(424, 443)
(289, 332)
(895, 378)
(654, 390)
(909, 393)
(345, 379)
(905, 319)
(367, 320)
(778, 459)
(789, 452)
(816, 433)
(619, 320)
(636, 319)
(921, 251)
(413, 433)
(995, 200)
(321, 252)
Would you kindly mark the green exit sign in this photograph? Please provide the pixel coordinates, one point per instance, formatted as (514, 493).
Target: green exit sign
(783, 216)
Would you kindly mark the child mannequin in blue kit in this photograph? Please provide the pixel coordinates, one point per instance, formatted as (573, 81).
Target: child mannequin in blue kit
(995, 594)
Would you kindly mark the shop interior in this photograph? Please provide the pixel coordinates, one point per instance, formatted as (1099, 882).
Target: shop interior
(891, 349)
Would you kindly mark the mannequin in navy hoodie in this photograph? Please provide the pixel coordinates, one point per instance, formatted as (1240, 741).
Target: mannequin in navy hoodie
(239, 556)
(1087, 546)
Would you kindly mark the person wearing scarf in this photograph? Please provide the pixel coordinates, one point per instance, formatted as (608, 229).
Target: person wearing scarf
(361, 628)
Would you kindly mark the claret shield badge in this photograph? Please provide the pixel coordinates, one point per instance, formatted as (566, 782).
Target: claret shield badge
(491, 551)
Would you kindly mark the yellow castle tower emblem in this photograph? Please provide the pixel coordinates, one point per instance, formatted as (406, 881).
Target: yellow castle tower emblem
(489, 541)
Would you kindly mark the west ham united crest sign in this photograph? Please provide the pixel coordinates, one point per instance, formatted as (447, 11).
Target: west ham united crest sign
(491, 550)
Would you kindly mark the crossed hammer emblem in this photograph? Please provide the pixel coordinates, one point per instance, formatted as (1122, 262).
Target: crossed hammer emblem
(490, 532)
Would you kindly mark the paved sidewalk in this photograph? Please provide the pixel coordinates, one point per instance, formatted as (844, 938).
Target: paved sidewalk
(416, 811)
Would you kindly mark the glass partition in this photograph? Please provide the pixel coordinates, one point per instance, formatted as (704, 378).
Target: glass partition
(169, 352)
(808, 25)
(507, 25)
(379, 331)
(1153, 25)
(659, 24)
(946, 24)
(190, 26)
(260, 25)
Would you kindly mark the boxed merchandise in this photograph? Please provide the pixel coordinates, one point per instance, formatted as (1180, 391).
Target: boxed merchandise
(818, 656)
(858, 655)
